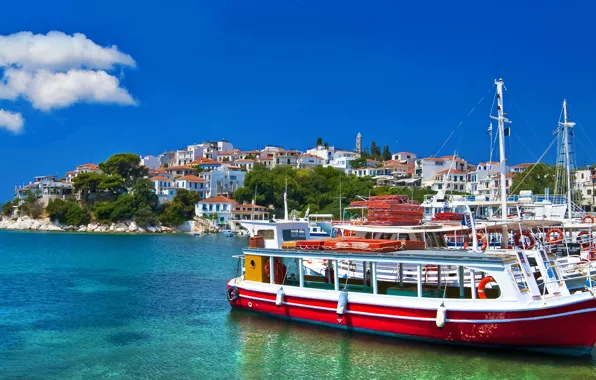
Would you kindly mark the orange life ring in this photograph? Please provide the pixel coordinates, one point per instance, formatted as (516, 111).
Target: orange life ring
(485, 281)
(583, 244)
(588, 217)
(519, 243)
(558, 233)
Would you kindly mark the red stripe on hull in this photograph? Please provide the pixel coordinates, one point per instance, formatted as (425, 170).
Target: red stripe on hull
(572, 331)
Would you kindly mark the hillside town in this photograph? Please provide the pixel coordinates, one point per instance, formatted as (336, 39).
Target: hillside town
(215, 170)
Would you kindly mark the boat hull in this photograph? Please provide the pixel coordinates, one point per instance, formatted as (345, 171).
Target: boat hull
(565, 330)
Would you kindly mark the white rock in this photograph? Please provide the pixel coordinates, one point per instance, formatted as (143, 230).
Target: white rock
(112, 227)
(152, 229)
(92, 227)
(82, 229)
(36, 225)
(132, 227)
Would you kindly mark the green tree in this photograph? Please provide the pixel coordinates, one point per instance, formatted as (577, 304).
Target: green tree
(143, 193)
(536, 178)
(67, 212)
(358, 163)
(145, 217)
(32, 209)
(126, 165)
(7, 208)
(87, 183)
(375, 151)
(386, 153)
(319, 141)
(173, 214)
(111, 183)
(123, 208)
(103, 211)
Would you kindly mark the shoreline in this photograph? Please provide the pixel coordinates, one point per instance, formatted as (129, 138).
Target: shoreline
(26, 223)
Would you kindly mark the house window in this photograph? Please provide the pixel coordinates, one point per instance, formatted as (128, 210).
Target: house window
(589, 192)
(288, 161)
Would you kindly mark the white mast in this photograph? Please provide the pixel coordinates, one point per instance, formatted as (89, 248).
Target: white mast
(503, 161)
(566, 124)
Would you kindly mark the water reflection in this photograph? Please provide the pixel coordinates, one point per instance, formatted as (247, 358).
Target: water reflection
(272, 347)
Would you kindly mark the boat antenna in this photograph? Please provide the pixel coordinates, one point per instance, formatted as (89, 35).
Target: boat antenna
(286, 201)
(501, 119)
(566, 125)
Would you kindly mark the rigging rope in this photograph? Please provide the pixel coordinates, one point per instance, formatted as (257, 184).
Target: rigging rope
(463, 120)
(537, 162)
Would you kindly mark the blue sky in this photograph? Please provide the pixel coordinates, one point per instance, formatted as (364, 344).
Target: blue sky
(285, 72)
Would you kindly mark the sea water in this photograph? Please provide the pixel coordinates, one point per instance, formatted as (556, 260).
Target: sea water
(99, 306)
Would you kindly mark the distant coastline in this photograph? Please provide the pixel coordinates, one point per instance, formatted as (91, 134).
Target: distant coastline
(26, 223)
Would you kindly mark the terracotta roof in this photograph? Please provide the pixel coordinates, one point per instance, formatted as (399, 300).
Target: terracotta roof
(180, 168)
(191, 178)
(218, 199)
(205, 161)
(521, 165)
(88, 166)
(266, 158)
(72, 172)
(453, 171)
(158, 170)
(244, 161)
(159, 178)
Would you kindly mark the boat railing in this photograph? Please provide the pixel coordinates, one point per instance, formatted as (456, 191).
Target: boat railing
(590, 279)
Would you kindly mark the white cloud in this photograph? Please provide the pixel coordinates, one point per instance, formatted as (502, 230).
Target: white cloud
(58, 51)
(46, 90)
(57, 70)
(11, 121)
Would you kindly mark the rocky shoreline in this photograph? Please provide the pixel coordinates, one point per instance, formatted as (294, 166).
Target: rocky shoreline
(25, 223)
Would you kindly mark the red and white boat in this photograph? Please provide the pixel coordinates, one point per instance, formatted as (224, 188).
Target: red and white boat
(506, 308)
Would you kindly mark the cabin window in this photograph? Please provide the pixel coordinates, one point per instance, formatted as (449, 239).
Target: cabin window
(291, 235)
(522, 285)
(266, 234)
(403, 237)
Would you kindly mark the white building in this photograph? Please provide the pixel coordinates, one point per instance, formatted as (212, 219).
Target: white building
(323, 152)
(150, 162)
(404, 157)
(308, 161)
(219, 208)
(427, 168)
(222, 182)
(341, 160)
(192, 183)
(167, 159)
(584, 182)
(450, 180)
(186, 156)
(245, 164)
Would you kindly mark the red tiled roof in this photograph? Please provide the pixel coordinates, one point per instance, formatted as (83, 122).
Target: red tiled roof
(159, 178)
(266, 158)
(205, 161)
(88, 166)
(191, 178)
(453, 171)
(72, 172)
(244, 161)
(180, 168)
(521, 165)
(218, 199)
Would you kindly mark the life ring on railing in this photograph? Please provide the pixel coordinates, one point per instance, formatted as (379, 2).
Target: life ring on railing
(481, 239)
(588, 217)
(485, 281)
(232, 294)
(520, 244)
(581, 241)
(558, 236)
(279, 271)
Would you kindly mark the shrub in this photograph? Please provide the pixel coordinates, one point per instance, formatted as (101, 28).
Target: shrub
(7, 209)
(144, 217)
(123, 208)
(33, 210)
(173, 214)
(103, 211)
(67, 212)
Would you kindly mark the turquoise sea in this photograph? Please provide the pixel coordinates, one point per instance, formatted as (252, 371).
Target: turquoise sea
(90, 306)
